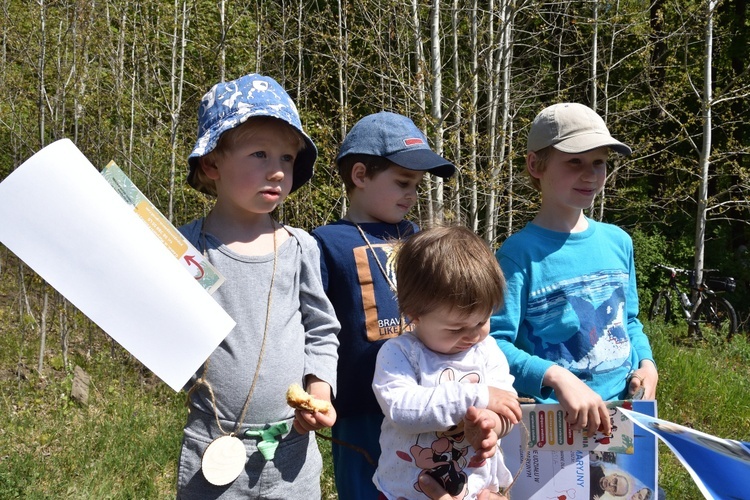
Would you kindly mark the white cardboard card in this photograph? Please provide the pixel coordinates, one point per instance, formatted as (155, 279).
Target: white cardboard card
(60, 216)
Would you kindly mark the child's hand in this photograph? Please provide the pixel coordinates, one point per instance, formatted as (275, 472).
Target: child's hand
(306, 421)
(647, 377)
(584, 408)
(505, 404)
(479, 430)
(435, 491)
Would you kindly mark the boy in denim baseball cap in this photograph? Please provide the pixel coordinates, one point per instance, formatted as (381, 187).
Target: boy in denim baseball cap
(381, 161)
(569, 324)
(250, 154)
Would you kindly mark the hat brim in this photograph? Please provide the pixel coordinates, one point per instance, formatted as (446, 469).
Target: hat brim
(587, 142)
(304, 164)
(423, 160)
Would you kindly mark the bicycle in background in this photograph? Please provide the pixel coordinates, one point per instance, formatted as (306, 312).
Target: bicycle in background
(709, 311)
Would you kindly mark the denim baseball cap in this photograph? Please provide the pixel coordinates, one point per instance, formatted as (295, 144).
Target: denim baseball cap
(230, 104)
(571, 128)
(396, 138)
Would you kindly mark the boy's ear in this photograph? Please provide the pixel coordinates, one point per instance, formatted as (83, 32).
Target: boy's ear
(359, 174)
(209, 167)
(532, 165)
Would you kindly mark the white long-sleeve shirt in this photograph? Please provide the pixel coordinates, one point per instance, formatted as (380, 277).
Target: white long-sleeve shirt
(424, 397)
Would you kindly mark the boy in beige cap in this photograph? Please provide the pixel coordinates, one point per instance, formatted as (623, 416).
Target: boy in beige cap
(569, 325)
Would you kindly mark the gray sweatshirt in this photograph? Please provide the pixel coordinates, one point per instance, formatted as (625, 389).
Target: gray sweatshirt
(302, 330)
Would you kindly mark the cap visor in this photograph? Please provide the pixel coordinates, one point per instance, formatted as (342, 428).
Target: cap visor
(424, 160)
(584, 143)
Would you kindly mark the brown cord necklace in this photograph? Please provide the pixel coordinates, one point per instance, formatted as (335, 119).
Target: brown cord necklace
(387, 277)
(225, 457)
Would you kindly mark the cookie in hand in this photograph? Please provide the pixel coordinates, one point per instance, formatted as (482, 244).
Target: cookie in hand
(297, 398)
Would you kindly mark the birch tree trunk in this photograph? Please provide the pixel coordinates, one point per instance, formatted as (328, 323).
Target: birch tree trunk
(458, 123)
(489, 230)
(223, 41)
(500, 84)
(120, 76)
(436, 213)
(507, 124)
(605, 111)
(594, 56)
(705, 155)
(260, 24)
(64, 330)
(82, 77)
(593, 95)
(473, 125)
(42, 59)
(420, 71)
(177, 80)
(300, 46)
(43, 332)
(342, 63)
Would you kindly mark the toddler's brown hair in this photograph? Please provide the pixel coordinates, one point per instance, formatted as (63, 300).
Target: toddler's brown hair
(447, 266)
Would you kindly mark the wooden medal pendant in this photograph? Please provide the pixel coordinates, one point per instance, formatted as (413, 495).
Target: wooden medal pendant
(223, 460)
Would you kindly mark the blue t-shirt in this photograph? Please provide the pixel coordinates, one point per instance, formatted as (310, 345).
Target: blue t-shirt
(572, 301)
(354, 279)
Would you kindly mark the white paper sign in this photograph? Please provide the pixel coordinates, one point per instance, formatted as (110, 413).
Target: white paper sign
(61, 217)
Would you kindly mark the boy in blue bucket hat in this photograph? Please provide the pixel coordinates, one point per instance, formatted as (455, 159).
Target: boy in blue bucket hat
(242, 439)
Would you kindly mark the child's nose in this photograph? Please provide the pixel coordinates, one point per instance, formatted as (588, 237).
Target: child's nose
(276, 172)
(589, 171)
(473, 334)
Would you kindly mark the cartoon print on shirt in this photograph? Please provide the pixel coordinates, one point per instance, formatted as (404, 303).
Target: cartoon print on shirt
(444, 459)
(587, 349)
(377, 261)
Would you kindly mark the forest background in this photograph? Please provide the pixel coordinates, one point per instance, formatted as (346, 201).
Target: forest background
(123, 80)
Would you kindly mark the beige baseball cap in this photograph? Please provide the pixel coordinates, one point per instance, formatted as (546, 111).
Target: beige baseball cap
(571, 128)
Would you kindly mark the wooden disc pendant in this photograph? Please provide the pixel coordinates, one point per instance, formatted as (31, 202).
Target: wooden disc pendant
(223, 460)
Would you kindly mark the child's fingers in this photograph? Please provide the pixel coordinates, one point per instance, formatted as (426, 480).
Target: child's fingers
(516, 409)
(326, 419)
(306, 421)
(506, 426)
(636, 381)
(510, 413)
(606, 424)
(472, 414)
(593, 421)
(300, 425)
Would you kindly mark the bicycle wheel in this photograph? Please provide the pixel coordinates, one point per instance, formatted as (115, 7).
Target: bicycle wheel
(717, 314)
(661, 308)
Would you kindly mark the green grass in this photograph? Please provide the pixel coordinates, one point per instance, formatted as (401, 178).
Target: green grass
(704, 385)
(125, 443)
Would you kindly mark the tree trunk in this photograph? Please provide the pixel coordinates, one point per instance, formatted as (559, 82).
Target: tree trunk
(42, 59)
(341, 65)
(705, 155)
(43, 332)
(458, 119)
(473, 121)
(489, 229)
(436, 212)
(223, 41)
(421, 71)
(177, 80)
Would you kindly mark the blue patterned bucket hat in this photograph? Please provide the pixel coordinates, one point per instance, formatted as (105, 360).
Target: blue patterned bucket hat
(230, 104)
